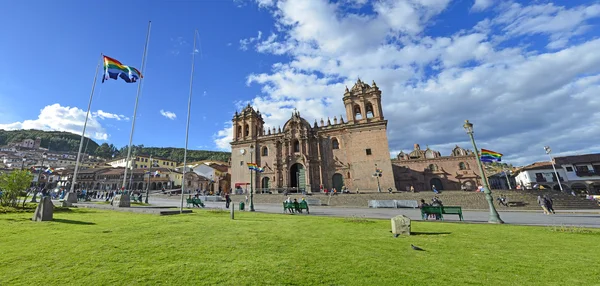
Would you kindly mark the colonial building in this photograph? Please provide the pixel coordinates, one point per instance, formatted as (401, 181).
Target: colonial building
(540, 175)
(328, 154)
(582, 172)
(142, 162)
(424, 169)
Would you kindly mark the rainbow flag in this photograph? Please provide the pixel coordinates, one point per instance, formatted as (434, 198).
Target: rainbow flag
(254, 167)
(49, 171)
(115, 69)
(489, 156)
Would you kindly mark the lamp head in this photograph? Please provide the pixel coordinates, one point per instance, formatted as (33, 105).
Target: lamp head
(468, 126)
(45, 155)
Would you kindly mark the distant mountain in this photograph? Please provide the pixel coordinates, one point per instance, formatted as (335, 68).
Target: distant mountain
(54, 140)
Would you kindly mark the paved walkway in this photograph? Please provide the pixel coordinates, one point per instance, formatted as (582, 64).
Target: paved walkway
(583, 218)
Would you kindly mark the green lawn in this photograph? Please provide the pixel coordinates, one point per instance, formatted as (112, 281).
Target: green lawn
(93, 247)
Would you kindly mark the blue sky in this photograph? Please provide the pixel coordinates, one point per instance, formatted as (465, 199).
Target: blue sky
(526, 73)
(59, 45)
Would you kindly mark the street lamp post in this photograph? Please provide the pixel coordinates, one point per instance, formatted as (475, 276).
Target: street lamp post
(150, 174)
(507, 180)
(251, 180)
(494, 216)
(34, 200)
(548, 151)
(23, 163)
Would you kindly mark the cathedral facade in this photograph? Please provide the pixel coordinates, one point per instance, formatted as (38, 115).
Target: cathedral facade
(423, 169)
(325, 155)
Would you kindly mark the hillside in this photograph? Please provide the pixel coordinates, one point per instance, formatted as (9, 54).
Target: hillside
(64, 141)
(54, 140)
(176, 154)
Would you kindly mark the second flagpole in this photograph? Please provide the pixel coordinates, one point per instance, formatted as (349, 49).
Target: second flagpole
(137, 98)
(187, 128)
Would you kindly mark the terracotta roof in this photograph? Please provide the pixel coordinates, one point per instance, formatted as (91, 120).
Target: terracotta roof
(539, 166)
(578, 159)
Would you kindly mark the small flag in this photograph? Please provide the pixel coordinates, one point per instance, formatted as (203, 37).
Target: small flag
(49, 171)
(115, 69)
(490, 156)
(254, 167)
(157, 173)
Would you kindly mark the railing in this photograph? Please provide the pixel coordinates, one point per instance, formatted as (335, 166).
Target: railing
(588, 173)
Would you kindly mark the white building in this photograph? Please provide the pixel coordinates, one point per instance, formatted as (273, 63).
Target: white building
(540, 174)
(582, 172)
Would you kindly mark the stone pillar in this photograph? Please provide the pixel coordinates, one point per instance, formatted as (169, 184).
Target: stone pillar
(44, 210)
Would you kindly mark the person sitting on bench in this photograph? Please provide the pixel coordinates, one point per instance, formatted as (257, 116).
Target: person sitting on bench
(297, 206)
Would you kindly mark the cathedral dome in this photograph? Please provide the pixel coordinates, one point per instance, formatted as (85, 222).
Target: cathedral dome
(296, 121)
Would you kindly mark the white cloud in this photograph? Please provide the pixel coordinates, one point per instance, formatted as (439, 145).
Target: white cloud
(481, 5)
(63, 118)
(168, 114)
(104, 115)
(244, 43)
(519, 95)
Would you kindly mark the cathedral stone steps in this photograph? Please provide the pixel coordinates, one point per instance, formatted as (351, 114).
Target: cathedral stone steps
(468, 200)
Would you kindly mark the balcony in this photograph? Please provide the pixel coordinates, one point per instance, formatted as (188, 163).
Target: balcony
(588, 173)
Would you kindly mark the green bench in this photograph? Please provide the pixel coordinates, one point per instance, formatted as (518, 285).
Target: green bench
(193, 202)
(303, 205)
(441, 211)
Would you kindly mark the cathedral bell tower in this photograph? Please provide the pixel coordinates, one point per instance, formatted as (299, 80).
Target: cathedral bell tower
(247, 125)
(363, 103)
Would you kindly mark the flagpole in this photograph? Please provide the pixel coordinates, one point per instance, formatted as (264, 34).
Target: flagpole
(137, 98)
(72, 190)
(187, 128)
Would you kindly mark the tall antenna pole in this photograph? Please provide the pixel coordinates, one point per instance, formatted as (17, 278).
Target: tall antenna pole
(187, 128)
(84, 127)
(137, 98)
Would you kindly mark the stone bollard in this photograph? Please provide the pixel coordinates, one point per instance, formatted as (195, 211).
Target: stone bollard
(44, 210)
(400, 225)
(232, 212)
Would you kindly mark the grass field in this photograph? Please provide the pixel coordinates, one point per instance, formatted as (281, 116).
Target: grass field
(93, 247)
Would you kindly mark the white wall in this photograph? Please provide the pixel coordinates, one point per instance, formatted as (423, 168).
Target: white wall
(572, 176)
(528, 179)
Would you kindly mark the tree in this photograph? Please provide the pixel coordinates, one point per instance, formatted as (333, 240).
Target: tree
(12, 184)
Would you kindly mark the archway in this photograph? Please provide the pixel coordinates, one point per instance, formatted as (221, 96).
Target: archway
(557, 187)
(265, 183)
(153, 186)
(338, 181)
(469, 185)
(297, 177)
(437, 183)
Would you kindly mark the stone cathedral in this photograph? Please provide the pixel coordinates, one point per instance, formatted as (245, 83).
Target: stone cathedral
(329, 154)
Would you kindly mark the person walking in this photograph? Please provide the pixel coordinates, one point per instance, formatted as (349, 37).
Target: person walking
(542, 204)
(549, 204)
(227, 201)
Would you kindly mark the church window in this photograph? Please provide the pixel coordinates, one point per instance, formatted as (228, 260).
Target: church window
(348, 175)
(357, 112)
(296, 146)
(247, 127)
(369, 111)
(335, 144)
(368, 151)
(265, 151)
(241, 163)
(462, 166)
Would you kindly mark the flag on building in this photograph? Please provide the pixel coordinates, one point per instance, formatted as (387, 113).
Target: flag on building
(254, 167)
(115, 69)
(49, 171)
(489, 156)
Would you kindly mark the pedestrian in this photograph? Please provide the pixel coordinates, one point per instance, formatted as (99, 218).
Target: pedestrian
(548, 203)
(434, 189)
(227, 201)
(542, 204)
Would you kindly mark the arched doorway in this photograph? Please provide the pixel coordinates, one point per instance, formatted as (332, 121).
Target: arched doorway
(437, 183)
(265, 183)
(153, 186)
(298, 177)
(338, 181)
